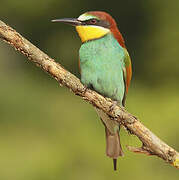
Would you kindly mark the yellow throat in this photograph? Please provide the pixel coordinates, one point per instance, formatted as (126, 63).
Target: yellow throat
(91, 32)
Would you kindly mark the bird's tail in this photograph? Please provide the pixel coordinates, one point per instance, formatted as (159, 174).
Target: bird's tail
(113, 146)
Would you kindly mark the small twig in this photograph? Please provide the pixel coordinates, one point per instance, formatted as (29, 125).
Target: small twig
(152, 145)
(140, 150)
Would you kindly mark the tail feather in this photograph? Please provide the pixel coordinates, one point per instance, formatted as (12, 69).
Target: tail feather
(115, 164)
(113, 146)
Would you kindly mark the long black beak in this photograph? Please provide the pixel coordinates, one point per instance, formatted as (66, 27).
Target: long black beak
(71, 21)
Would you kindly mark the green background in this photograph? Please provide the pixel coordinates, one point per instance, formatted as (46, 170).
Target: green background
(47, 133)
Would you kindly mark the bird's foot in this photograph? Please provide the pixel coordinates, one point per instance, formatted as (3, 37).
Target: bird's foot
(85, 89)
(114, 104)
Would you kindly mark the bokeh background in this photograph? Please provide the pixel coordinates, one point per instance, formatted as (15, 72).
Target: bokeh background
(48, 133)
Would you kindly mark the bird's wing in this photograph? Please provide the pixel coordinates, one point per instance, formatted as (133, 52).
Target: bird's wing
(127, 69)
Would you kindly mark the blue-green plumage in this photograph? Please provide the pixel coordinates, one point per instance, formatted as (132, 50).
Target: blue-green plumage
(102, 65)
(105, 66)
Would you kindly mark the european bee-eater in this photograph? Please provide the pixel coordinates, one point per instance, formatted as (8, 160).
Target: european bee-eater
(105, 67)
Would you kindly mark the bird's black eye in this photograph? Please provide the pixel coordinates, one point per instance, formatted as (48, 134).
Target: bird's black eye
(93, 21)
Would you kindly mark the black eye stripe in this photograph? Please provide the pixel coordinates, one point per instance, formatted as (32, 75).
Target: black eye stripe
(91, 21)
(104, 23)
(96, 22)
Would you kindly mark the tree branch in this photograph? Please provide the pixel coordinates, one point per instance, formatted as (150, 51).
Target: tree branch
(152, 145)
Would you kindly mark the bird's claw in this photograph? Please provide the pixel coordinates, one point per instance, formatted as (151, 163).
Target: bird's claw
(114, 104)
(85, 89)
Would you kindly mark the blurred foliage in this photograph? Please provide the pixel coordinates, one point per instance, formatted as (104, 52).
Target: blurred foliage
(40, 138)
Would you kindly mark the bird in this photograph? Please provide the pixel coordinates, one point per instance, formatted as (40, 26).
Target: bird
(105, 67)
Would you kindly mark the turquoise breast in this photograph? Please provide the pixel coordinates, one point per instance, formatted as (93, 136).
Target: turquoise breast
(102, 64)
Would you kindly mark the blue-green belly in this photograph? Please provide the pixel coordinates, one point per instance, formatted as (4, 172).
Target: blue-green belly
(102, 64)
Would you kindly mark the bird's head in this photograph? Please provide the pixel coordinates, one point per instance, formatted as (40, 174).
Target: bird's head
(94, 25)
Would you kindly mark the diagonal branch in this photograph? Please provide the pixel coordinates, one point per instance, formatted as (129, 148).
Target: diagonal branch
(152, 145)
